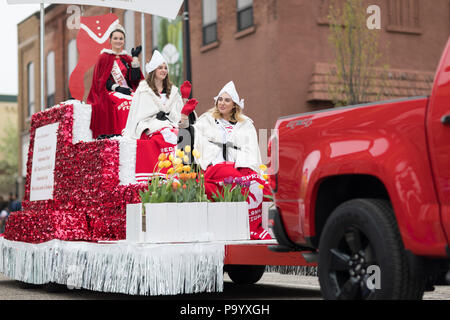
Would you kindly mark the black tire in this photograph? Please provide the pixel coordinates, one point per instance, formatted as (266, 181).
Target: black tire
(245, 274)
(362, 233)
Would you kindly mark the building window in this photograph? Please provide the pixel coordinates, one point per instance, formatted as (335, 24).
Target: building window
(209, 21)
(404, 16)
(128, 20)
(72, 58)
(50, 79)
(244, 14)
(30, 89)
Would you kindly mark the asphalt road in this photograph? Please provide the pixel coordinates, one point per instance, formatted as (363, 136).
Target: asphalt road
(272, 286)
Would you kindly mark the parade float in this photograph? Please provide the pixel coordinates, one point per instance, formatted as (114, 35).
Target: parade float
(83, 222)
(91, 219)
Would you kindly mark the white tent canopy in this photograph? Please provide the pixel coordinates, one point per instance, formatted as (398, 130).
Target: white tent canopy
(164, 8)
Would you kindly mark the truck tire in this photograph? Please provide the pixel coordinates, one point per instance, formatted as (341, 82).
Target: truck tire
(245, 274)
(361, 255)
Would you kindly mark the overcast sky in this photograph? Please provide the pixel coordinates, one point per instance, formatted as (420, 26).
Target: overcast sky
(10, 16)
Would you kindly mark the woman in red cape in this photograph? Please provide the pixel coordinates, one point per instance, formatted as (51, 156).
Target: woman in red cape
(116, 77)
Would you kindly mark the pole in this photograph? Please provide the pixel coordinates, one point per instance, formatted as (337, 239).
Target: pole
(187, 41)
(143, 41)
(42, 71)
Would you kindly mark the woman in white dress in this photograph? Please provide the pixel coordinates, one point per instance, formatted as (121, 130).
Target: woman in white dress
(228, 146)
(155, 113)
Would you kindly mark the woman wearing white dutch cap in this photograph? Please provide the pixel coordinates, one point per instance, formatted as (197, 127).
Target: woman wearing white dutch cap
(228, 145)
(156, 108)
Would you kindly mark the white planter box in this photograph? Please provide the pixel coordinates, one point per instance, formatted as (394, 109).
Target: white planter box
(176, 222)
(228, 221)
(187, 222)
(134, 231)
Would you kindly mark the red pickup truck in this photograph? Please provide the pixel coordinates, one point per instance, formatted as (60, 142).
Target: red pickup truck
(366, 188)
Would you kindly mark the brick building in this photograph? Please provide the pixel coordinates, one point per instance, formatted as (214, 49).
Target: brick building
(277, 52)
(8, 124)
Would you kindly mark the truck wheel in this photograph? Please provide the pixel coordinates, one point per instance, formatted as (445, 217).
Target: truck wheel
(245, 274)
(361, 255)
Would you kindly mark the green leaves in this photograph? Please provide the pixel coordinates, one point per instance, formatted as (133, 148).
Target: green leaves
(231, 193)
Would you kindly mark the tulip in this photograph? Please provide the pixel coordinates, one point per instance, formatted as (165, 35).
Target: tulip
(167, 164)
(162, 157)
(179, 168)
(196, 154)
(187, 149)
(265, 176)
(228, 180)
(177, 161)
(186, 168)
(186, 159)
(171, 157)
(171, 171)
(161, 164)
(179, 153)
(263, 167)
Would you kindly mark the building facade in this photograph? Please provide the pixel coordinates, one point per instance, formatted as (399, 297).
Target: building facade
(8, 125)
(277, 52)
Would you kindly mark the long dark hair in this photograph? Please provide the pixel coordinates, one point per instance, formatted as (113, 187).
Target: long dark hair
(167, 84)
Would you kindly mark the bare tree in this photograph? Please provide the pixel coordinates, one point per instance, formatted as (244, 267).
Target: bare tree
(357, 53)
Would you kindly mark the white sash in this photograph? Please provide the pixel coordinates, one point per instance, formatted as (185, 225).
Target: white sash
(118, 76)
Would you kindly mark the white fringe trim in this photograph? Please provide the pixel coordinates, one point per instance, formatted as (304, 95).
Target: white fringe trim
(118, 268)
(127, 160)
(294, 270)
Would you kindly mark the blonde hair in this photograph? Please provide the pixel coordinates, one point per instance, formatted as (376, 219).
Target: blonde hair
(167, 84)
(236, 113)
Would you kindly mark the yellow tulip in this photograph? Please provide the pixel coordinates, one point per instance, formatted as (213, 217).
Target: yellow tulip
(167, 164)
(171, 171)
(179, 169)
(186, 168)
(177, 161)
(265, 176)
(196, 154)
(186, 159)
(161, 164)
(263, 167)
(162, 157)
(171, 157)
(179, 153)
(187, 149)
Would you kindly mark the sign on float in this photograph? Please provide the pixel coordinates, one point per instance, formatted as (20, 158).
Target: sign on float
(43, 165)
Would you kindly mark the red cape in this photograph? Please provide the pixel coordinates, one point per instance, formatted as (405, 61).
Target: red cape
(102, 121)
